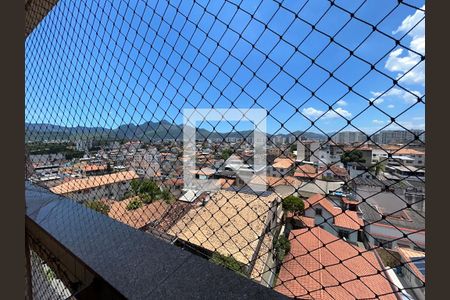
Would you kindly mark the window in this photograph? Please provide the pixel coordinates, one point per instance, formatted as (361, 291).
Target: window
(318, 211)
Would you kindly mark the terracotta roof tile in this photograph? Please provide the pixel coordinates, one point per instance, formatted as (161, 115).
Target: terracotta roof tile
(345, 219)
(93, 181)
(140, 217)
(283, 163)
(302, 274)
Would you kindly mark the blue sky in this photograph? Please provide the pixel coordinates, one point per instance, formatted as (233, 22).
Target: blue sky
(106, 63)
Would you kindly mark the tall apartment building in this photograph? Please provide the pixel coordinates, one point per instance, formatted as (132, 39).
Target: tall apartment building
(349, 137)
(306, 150)
(398, 136)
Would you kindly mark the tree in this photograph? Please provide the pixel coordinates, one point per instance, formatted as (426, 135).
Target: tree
(145, 186)
(293, 147)
(293, 204)
(98, 206)
(380, 167)
(134, 204)
(282, 246)
(226, 153)
(352, 156)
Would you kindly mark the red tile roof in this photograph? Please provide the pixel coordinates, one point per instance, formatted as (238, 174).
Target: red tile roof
(346, 219)
(307, 171)
(173, 181)
(140, 217)
(337, 170)
(313, 269)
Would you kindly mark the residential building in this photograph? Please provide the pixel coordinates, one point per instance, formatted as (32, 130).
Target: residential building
(307, 172)
(146, 216)
(83, 145)
(282, 186)
(329, 215)
(412, 271)
(110, 186)
(235, 223)
(282, 167)
(415, 158)
(349, 137)
(322, 266)
(334, 172)
(146, 162)
(306, 150)
(309, 188)
(398, 136)
(390, 229)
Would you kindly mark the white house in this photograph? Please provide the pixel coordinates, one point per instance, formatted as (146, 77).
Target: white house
(328, 215)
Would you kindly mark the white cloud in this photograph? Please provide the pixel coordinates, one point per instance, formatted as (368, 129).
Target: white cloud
(409, 97)
(313, 113)
(391, 106)
(333, 114)
(402, 64)
(341, 103)
(378, 122)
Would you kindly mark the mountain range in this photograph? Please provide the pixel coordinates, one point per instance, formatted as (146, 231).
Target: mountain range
(146, 132)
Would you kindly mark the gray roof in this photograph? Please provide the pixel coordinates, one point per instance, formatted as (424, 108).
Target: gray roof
(371, 215)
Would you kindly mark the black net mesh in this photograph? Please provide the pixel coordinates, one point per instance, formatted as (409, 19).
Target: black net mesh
(340, 85)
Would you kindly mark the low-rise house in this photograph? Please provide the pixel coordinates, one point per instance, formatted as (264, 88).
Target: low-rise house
(334, 172)
(412, 271)
(282, 186)
(111, 186)
(387, 228)
(93, 170)
(307, 172)
(282, 167)
(415, 158)
(146, 162)
(146, 216)
(237, 224)
(309, 188)
(405, 172)
(330, 216)
(358, 170)
(322, 266)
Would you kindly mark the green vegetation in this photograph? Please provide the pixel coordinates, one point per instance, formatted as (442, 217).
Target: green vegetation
(226, 153)
(71, 154)
(167, 196)
(149, 191)
(352, 156)
(50, 274)
(134, 204)
(293, 204)
(293, 147)
(98, 206)
(282, 246)
(55, 148)
(228, 262)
